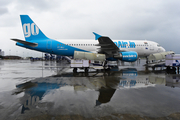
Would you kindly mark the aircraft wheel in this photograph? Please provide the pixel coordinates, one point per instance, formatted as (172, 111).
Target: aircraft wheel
(153, 68)
(108, 69)
(86, 70)
(75, 70)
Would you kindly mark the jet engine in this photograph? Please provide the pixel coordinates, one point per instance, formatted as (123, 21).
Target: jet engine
(129, 56)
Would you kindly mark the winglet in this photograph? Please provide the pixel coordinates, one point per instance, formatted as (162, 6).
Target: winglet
(96, 35)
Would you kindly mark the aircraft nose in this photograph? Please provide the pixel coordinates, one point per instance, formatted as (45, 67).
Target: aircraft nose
(163, 50)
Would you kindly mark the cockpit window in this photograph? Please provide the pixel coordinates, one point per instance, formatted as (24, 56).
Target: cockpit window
(158, 45)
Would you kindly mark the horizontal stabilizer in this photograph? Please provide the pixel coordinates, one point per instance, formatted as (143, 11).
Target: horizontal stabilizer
(25, 42)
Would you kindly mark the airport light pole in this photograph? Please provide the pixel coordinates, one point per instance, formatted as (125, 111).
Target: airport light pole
(23, 55)
(9, 52)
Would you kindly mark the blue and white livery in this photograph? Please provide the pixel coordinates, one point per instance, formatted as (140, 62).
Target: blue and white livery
(125, 50)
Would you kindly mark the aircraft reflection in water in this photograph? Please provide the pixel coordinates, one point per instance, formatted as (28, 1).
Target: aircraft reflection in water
(173, 80)
(104, 83)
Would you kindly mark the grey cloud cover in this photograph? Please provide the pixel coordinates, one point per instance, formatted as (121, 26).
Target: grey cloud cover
(152, 20)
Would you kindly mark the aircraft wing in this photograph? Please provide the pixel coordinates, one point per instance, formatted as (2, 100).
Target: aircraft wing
(107, 46)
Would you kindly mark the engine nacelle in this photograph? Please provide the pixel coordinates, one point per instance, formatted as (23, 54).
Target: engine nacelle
(129, 56)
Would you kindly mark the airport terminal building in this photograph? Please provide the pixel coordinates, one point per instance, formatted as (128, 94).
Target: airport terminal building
(1, 53)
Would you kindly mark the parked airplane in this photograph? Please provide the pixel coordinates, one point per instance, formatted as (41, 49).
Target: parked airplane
(125, 50)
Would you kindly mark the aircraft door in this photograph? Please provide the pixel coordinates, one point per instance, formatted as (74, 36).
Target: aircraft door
(151, 47)
(49, 45)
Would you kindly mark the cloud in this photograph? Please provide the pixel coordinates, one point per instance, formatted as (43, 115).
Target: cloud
(36, 6)
(3, 11)
(152, 20)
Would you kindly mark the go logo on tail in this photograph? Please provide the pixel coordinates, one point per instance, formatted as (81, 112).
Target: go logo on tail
(30, 29)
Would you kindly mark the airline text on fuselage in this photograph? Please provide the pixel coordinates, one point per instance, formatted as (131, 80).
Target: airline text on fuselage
(122, 44)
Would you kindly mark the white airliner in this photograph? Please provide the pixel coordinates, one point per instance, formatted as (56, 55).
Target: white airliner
(124, 50)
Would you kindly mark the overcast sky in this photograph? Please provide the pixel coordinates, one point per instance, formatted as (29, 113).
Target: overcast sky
(155, 20)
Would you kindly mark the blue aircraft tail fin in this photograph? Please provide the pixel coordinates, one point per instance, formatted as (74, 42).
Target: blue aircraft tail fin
(30, 29)
(97, 36)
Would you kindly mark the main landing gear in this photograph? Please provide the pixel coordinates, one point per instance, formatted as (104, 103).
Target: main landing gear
(147, 61)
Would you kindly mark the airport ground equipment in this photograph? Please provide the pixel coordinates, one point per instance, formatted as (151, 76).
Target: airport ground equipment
(157, 59)
(172, 80)
(169, 60)
(67, 58)
(81, 64)
(86, 60)
(89, 56)
(172, 62)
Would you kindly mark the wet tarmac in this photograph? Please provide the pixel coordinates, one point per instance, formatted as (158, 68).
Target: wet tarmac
(51, 91)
